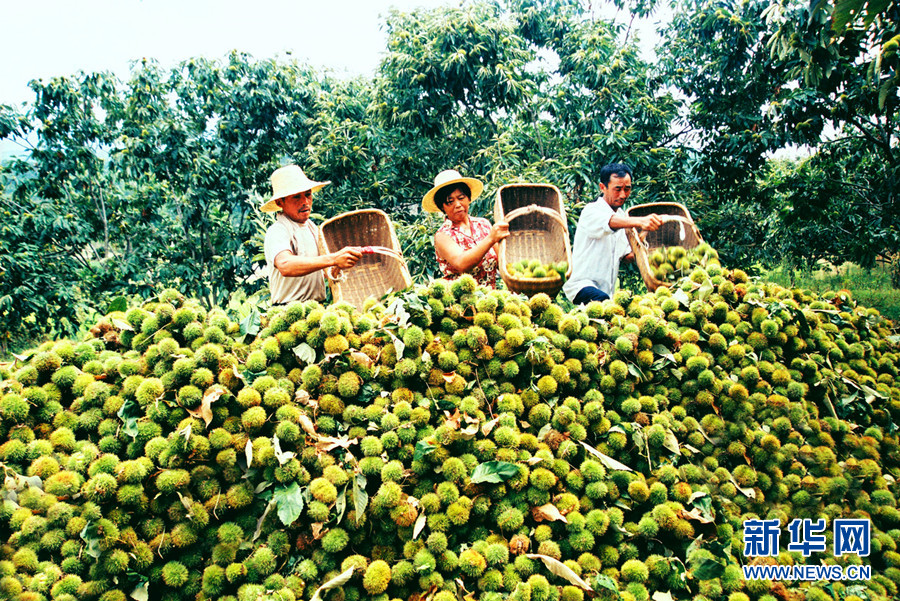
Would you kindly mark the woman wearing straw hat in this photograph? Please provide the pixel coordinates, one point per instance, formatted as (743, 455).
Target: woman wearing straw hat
(292, 252)
(463, 244)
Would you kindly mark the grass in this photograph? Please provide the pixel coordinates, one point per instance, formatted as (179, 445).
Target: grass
(869, 287)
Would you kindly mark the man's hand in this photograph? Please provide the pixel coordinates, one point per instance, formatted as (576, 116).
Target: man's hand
(346, 257)
(499, 231)
(651, 222)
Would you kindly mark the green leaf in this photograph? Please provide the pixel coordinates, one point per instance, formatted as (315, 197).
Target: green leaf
(129, 413)
(251, 323)
(423, 448)
(885, 90)
(663, 352)
(336, 582)
(636, 372)
(844, 12)
(494, 471)
(290, 503)
(562, 570)
(682, 297)
(705, 290)
(873, 9)
(706, 568)
(419, 525)
(679, 569)
(367, 393)
(141, 592)
(305, 353)
(262, 519)
(360, 496)
(282, 456)
(703, 502)
(122, 325)
(396, 308)
(340, 505)
(604, 581)
(606, 460)
(120, 303)
(89, 535)
(670, 442)
(251, 376)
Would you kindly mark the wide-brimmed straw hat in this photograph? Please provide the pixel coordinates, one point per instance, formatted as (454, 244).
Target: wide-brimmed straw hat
(445, 178)
(287, 181)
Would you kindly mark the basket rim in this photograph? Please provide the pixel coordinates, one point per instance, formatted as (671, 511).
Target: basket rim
(661, 204)
(523, 184)
(323, 239)
(346, 214)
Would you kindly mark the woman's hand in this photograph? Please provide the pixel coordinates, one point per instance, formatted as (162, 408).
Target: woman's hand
(499, 231)
(462, 260)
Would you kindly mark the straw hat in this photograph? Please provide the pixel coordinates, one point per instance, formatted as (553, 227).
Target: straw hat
(445, 178)
(287, 181)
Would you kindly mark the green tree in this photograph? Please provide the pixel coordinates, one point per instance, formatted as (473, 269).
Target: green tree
(760, 77)
(128, 187)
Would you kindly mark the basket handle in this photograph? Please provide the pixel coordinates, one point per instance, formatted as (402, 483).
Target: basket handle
(535, 209)
(683, 219)
(366, 250)
(642, 235)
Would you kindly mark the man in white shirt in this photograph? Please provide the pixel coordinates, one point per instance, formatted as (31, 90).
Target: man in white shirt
(291, 243)
(600, 241)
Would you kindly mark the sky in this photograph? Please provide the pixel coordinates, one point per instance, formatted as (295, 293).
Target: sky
(43, 39)
(48, 38)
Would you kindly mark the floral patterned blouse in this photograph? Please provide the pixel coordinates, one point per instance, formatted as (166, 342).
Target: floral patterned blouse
(485, 273)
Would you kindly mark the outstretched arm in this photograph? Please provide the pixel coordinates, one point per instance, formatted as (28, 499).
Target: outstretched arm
(292, 266)
(649, 223)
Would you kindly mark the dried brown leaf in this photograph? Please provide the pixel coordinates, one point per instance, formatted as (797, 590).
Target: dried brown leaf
(330, 443)
(693, 514)
(308, 426)
(205, 411)
(318, 530)
(361, 358)
(548, 512)
(453, 421)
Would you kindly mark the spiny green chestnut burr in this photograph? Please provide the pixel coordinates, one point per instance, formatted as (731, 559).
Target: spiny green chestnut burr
(504, 381)
(377, 577)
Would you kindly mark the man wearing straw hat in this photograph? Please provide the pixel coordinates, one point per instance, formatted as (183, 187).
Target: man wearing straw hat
(600, 241)
(291, 244)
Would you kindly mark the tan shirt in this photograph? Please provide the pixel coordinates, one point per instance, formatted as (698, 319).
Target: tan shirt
(301, 240)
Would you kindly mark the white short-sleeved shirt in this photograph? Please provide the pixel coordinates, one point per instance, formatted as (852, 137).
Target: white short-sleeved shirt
(301, 240)
(597, 250)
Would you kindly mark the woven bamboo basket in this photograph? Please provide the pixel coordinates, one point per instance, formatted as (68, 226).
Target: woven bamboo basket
(538, 229)
(381, 269)
(678, 229)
